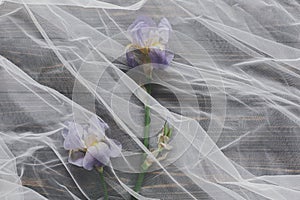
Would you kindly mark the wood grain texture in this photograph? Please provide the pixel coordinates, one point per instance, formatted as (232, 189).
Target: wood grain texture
(42, 65)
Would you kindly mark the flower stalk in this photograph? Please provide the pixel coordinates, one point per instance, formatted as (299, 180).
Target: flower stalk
(103, 183)
(148, 48)
(141, 175)
(147, 119)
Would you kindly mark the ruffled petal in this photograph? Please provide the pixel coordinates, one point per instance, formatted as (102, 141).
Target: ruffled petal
(65, 131)
(160, 58)
(142, 21)
(169, 57)
(90, 139)
(140, 30)
(89, 162)
(115, 148)
(164, 28)
(76, 158)
(100, 152)
(131, 59)
(97, 127)
(73, 136)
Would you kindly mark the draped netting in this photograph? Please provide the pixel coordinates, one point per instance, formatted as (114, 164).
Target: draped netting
(231, 95)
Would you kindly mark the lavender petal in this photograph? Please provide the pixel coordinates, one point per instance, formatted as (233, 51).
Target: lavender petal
(115, 148)
(73, 136)
(140, 29)
(76, 158)
(141, 21)
(100, 152)
(97, 127)
(131, 60)
(160, 58)
(89, 161)
(164, 28)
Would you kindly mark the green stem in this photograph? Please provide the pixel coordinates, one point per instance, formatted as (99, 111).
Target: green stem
(141, 175)
(147, 120)
(139, 182)
(100, 170)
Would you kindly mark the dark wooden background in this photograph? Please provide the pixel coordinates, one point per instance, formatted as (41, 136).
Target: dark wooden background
(274, 151)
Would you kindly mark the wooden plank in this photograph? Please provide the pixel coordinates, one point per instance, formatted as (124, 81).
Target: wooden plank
(42, 64)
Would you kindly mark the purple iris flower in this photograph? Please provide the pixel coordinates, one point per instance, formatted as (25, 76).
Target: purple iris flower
(89, 147)
(149, 43)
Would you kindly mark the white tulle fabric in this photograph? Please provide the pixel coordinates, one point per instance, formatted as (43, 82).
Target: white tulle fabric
(235, 79)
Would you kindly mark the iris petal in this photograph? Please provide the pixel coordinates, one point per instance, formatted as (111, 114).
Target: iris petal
(73, 136)
(142, 21)
(100, 152)
(164, 28)
(140, 30)
(97, 127)
(160, 58)
(76, 158)
(115, 148)
(89, 161)
(131, 60)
